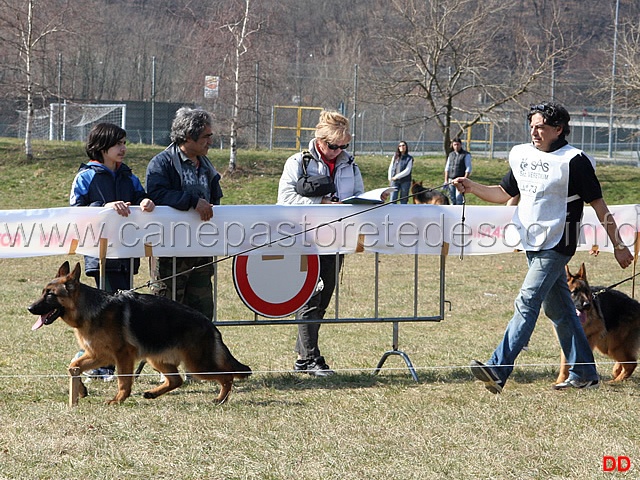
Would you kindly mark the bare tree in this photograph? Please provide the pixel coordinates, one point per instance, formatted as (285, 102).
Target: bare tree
(629, 54)
(241, 32)
(26, 25)
(464, 59)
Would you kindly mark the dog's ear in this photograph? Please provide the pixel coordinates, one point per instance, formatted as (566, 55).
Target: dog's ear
(63, 271)
(582, 273)
(566, 269)
(76, 272)
(73, 279)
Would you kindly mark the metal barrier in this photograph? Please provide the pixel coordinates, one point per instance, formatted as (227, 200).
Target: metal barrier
(337, 319)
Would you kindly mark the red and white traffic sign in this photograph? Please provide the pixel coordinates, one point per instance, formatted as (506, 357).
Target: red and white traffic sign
(275, 285)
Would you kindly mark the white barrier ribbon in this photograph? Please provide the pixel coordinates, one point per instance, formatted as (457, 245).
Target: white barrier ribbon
(277, 229)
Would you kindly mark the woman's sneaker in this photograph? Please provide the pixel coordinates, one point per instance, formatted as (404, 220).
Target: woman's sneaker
(316, 367)
(105, 374)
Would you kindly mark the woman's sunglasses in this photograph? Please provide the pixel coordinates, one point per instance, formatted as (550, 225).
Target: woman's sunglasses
(337, 147)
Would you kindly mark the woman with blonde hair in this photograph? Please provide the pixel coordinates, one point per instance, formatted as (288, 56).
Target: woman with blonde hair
(326, 156)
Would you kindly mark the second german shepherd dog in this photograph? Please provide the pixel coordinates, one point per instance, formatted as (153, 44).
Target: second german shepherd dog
(611, 322)
(123, 328)
(425, 196)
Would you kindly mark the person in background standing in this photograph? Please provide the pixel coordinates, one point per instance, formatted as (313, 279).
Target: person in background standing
(458, 165)
(400, 173)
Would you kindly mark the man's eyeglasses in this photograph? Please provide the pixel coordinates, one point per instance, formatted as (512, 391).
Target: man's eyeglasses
(543, 108)
(337, 147)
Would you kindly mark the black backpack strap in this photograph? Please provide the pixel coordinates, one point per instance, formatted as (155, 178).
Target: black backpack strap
(354, 165)
(306, 158)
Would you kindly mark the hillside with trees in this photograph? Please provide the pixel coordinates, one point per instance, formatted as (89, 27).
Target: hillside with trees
(448, 63)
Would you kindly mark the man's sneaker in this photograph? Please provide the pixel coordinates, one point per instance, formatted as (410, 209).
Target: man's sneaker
(486, 374)
(579, 384)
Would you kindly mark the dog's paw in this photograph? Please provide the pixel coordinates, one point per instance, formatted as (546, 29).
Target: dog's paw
(149, 395)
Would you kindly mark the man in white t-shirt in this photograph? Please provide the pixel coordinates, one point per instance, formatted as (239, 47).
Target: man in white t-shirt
(553, 180)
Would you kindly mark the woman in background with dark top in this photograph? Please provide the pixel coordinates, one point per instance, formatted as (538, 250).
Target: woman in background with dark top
(400, 173)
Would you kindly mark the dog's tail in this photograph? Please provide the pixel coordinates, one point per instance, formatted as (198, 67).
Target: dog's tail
(227, 362)
(241, 370)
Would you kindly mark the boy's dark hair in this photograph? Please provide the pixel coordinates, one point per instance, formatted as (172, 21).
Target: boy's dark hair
(554, 114)
(102, 137)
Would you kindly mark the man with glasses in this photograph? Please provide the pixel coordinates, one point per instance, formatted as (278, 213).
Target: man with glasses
(326, 155)
(554, 180)
(184, 178)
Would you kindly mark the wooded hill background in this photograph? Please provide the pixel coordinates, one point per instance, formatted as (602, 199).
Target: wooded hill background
(440, 61)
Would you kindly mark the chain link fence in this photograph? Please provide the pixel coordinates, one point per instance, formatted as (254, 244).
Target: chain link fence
(270, 117)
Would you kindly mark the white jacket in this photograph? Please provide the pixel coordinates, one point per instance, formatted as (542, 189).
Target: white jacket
(347, 177)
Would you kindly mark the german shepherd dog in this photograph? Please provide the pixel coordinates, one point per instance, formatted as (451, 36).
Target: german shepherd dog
(423, 196)
(611, 321)
(125, 327)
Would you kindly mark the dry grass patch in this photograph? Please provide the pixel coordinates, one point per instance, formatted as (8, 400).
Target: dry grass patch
(354, 425)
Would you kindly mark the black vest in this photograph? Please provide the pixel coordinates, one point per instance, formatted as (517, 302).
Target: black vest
(457, 165)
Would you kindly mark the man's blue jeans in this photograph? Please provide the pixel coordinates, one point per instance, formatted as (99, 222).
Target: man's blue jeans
(545, 285)
(455, 196)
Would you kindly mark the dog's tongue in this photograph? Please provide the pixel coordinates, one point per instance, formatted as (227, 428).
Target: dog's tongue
(39, 323)
(582, 315)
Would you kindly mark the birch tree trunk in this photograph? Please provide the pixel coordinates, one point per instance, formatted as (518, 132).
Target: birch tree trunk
(240, 50)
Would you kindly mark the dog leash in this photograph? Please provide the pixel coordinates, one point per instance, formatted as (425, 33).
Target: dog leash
(596, 304)
(604, 289)
(426, 190)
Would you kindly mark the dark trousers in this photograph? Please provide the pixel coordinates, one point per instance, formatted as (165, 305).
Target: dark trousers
(307, 342)
(193, 287)
(402, 192)
(115, 281)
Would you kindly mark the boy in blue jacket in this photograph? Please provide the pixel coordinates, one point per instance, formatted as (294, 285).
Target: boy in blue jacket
(107, 182)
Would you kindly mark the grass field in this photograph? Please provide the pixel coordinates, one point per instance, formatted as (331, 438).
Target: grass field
(278, 425)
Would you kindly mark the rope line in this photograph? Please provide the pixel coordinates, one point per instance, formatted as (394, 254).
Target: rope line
(337, 370)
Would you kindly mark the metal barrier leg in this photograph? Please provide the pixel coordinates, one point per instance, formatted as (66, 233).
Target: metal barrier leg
(400, 353)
